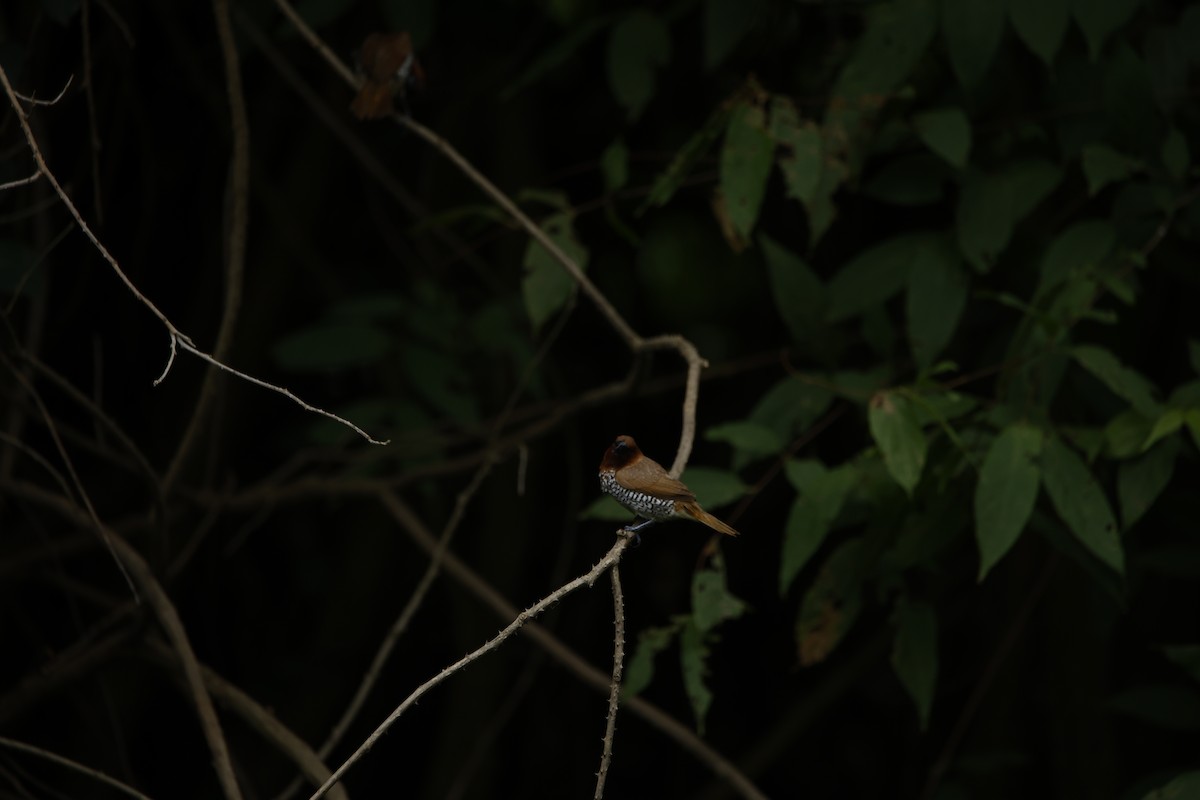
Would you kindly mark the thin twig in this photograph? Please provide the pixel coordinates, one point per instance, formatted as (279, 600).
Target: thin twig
(63, 761)
(33, 101)
(984, 685)
(20, 182)
(588, 578)
(177, 337)
(168, 617)
(93, 517)
(237, 216)
(85, 25)
(261, 720)
(614, 695)
(435, 563)
(470, 580)
(632, 338)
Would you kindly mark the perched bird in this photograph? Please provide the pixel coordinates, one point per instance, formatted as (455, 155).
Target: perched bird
(389, 69)
(642, 485)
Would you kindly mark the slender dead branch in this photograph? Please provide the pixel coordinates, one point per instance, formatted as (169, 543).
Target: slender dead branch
(177, 337)
(20, 182)
(614, 694)
(588, 578)
(63, 761)
(681, 734)
(261, 720)
(93, 517)
(635, 341)
(164, 610)
(237, 217)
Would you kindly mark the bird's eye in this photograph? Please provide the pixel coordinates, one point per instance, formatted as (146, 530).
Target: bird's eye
(618, 445)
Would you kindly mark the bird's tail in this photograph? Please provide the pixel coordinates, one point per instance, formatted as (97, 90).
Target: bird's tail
(697, 513)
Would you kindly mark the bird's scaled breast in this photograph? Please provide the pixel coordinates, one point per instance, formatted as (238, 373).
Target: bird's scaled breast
(640, 503)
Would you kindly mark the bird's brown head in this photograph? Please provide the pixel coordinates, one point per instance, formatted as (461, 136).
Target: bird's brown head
(621, 453)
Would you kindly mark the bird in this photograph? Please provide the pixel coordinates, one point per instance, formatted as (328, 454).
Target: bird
(640, 483)
(389, 69)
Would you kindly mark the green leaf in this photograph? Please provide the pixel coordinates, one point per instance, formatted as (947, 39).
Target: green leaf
(972, 30)
(1040, 24)
(798, 293)
(898, 437)
(871, 277)
(1099, 19)
(712, 602)
(790, 406)
(640, 670)
(947, 132)
(713, 487)
(1126, 434)
(442, 380)
(745, 166)
(984, 218)
(895, 38)
(666, 184)
(1080, 248)
(1182, 787)
(937, 294)
(915, 655)
(1122, 381)
(1175, 155)
(1006, 492)
(547, 285)
(639, 45)
(726, 23)
(332, 347)
(821, 495)
(1029, 181)
(1081, 504)
(614, 165)
(693, 657)
(1142, 480)
(1103, 165)
(821, 208)
(800, 141)
(832, 603)
(748, 437)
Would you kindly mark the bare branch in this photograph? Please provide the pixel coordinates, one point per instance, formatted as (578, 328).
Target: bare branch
(238, 213)
(614, 694)
(589, 578)
(177, 336)
(20, 182)
(33, 101)
(63, 761)
(262, 720)
(168, 617)
(681, 734)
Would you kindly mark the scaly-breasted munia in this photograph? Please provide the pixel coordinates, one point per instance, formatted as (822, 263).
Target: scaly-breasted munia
(642, 485)
(389, 68)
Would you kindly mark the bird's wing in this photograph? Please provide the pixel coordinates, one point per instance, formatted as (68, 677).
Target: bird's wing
(647, 475)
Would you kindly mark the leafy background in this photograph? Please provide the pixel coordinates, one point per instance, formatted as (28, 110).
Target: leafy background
(941, 257)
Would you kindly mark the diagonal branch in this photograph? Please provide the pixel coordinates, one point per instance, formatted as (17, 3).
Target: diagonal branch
(177, 337)
(588, 578)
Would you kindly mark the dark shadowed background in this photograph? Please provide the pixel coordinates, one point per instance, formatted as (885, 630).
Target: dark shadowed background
(941, 258)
